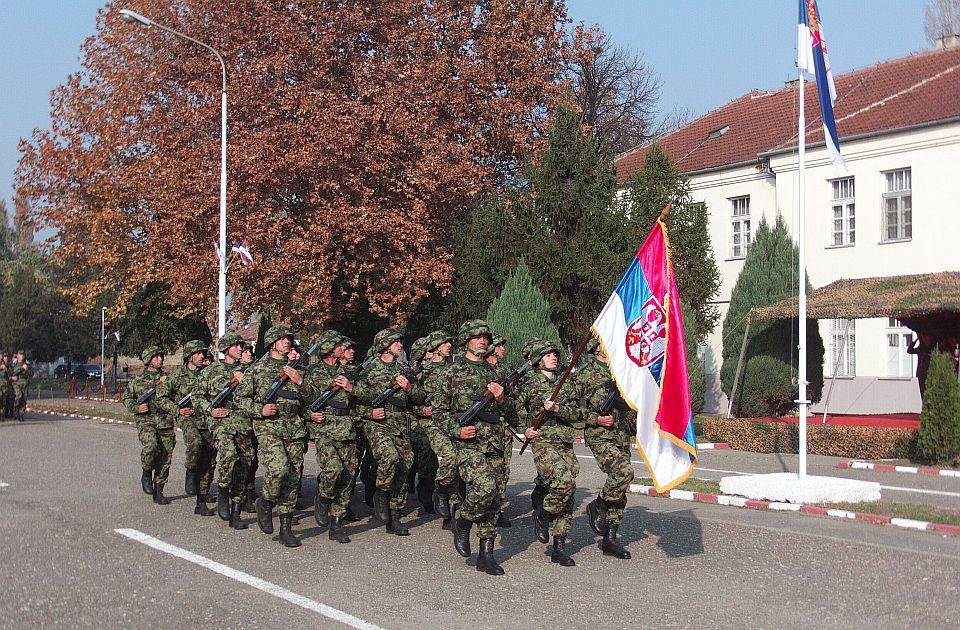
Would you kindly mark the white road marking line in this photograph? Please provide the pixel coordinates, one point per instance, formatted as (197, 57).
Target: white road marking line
(918, 490)
(249, 580)
(4, 484)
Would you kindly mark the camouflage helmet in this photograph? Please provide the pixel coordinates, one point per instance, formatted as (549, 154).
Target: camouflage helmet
(437, 338)
(539, 348)
(498, 340)
(192, 347)
(420, 348)
(472, 328)
(229, 339)
(274, 333)
(383, 339)
(525, 351)
(347, 342)
(591, 346)
(327, 342)
(148, 353)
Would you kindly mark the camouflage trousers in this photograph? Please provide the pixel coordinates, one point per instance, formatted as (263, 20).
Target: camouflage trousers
(393, 456)
(486, 482)
(282, 461)
(254, 465)
(557, 467)
(613, 458)
(425, 461)
(447, 474)
(19, 395)
(157, 450)
(201, 454)
(508, 437)
(233, 468)
(338, 463)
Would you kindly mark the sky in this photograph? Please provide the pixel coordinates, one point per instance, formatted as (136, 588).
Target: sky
(705, 52)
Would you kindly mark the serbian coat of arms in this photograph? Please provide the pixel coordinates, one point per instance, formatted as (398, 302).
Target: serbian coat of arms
(646, 338)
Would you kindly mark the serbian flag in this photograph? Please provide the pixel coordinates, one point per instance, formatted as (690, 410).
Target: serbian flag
(812, 57)
(641, 331)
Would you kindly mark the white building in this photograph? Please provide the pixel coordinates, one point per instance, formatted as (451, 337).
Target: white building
(899, 127)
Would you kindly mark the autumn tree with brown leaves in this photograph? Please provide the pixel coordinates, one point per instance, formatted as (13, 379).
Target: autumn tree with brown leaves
(357, 130)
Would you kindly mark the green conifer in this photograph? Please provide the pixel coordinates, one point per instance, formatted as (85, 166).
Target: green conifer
(939, 438)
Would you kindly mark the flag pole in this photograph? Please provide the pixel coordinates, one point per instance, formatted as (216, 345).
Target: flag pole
(802, 297)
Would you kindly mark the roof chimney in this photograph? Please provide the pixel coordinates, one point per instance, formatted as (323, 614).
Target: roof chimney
(947, 41)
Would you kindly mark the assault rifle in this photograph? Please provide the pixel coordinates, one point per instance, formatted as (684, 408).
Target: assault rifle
(469, 417)
(225, 393)
(147, 396)
(324, 399)
(613, 401)
(384, 396)
(186, 401)
(270, 396)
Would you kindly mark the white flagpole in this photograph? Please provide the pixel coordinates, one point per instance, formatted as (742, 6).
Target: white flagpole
(802, 301)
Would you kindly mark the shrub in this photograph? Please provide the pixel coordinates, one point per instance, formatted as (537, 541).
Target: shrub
(767, 389)
(939, 438)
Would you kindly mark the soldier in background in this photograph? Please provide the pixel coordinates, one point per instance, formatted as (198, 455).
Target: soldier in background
(154, 426)
(552, 444)
(348, 365)
(172, 397)
(385, 427)
(20, 374)
(6, 391)
(446, 494)
(608, 437)
(494, 356)
(280, 431)
(250, 494)
(423, 474)
(230, 426)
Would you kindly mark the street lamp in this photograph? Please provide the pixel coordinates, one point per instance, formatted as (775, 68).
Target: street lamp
(135, 18)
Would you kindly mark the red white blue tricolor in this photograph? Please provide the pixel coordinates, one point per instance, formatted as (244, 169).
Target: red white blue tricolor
(641, 331)
(812, 57)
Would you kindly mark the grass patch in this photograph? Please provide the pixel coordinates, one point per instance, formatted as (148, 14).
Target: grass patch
(693, 485)
(901, 510)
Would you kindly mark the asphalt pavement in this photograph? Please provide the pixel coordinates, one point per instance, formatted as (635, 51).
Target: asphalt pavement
(67, 486)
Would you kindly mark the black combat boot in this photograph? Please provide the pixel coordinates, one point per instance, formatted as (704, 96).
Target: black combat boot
(265, 515)
(250, 505)
(235, 520)
(381, 506)
(485, 560)
(541, 525)
(223, 504)
(610, 546)
(597, 515)
(286, 531)
(350, 516)
(202, 509)
(191, 484)
(158, 497)
(425, 487)
(336, 530)
(461, 536)
(369, 492)
(394, 526)
(536, 497)
(441, 500)
(503, 521)
(321, 510)
(559, 554)
(146, 482)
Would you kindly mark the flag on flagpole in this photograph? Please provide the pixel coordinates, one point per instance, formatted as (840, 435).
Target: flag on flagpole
(216, 248)
(641, 331)
(812, 57)
(243, 250)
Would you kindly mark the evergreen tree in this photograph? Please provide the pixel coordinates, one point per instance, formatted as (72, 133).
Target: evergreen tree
(769, 275)
(939, 438)
(520, 312)
(696, 375)
(698, 279)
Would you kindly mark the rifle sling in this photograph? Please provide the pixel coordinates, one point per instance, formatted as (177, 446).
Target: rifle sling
(287, 394)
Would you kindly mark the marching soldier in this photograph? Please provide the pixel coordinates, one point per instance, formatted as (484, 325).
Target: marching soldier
(446, 493)
(250, 493)
(231, 427)
(348, 365)
(424, 471)
(6, 391)
(154, 426)
(385, 428)
(494, 356)
(280, 431)
(608, 436)
(175, 397)
(557, 465)
(333, 434)
(20, 375)
(480, 447)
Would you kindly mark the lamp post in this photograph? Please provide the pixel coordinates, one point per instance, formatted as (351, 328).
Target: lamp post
(135, 18)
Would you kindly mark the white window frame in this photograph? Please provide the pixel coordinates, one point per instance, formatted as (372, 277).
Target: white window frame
(740, 227)
(898, 192)
(842, 341)
(897, 364)
(842, 220)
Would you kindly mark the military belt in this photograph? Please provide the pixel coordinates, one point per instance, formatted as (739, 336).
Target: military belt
(288, 395)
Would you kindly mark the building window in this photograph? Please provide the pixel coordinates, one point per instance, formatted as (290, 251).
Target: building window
(843, 227)
(740, 235)
(842, 359)
(897, 338)
(898, 205)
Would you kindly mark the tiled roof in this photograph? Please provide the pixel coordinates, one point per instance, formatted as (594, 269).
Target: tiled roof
(920, 88)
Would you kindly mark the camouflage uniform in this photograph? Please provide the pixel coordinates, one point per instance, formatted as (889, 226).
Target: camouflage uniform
(508, 433)
(389, 439)
(610, 447)
(154, 428)
(425, 462)
(480, 459)
(200, 452)
(20, 375)
(6, 390)
(233, 435)
(335, 439)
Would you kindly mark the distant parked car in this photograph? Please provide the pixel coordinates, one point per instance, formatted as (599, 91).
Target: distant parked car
(89, 372)
(60, 371)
